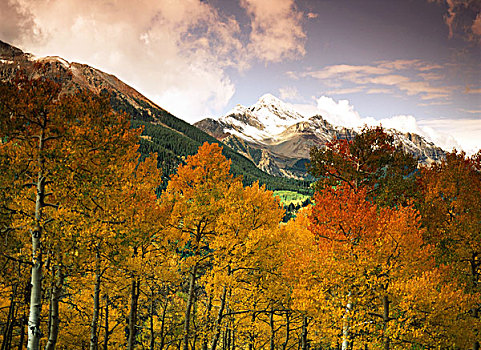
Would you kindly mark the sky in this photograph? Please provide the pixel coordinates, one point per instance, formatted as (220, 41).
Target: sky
(410, 64)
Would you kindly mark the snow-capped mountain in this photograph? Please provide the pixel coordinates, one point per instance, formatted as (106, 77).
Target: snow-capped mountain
(278, 138)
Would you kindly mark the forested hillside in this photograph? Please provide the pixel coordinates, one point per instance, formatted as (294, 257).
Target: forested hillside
(172, 146)
(95, 256)
(172, 138)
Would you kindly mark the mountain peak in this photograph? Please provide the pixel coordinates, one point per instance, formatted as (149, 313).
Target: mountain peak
(269, 98)
(268, 117)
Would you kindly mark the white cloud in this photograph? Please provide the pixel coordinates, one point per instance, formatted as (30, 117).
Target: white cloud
(276, 29)
(466, 133)
(289, 93)
(447, 134)
(340, 113)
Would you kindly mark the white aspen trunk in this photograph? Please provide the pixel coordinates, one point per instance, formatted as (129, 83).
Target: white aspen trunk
(346, 325)
(54, 315)
(106, 326)
(95, 316)
(34, 332)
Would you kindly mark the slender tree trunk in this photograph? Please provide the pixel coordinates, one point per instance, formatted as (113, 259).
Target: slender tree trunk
(252, 336)
(106, 326)
(229, 333)
(6, 343)
(273, 331)
(288, 331)
(218, 321)
(385, 317)
(224, 340)
(188, 308)
(205, 342)
(346, 325)
(34, 332)
(22, 332)
(134, 297)
(162, 327)
(96, 310)
(152, 309)
(54, 320)
(304, 334)
(474, 263)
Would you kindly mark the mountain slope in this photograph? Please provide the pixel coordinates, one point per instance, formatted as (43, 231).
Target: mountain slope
(278, 139)
(172, 138)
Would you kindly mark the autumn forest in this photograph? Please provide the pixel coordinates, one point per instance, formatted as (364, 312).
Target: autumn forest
(96, 252)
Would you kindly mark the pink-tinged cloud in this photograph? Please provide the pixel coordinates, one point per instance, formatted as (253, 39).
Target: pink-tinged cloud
(430, 76)
(345, 91)
(399, 64)
(470, 90)
(378, 91)
(476, 27)
(15, 22)
(463, 18)
(385, 77)
(276, 29)
(172, 51)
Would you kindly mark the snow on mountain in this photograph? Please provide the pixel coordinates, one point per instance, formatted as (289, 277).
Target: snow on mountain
(284, 137)
(268, 117)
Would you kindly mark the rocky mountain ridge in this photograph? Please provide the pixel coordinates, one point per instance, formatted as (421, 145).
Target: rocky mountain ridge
(277, 138)
(170, 137)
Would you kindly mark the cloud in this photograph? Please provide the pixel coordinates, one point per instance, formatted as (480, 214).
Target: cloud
(463, 18)
(347, 72)
(289, 93)
(178, 53)
(466, 132)
(412, 77)
(470, 90)
(476, 27)
(462, 134)
(16, 22)
(173, 52)
(345, 91)
(276, 29)
(472, 111)
(340, 113)
(312, 15)
(438, 131)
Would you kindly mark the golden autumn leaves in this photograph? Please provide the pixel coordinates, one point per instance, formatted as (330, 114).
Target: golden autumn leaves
(387, 257)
